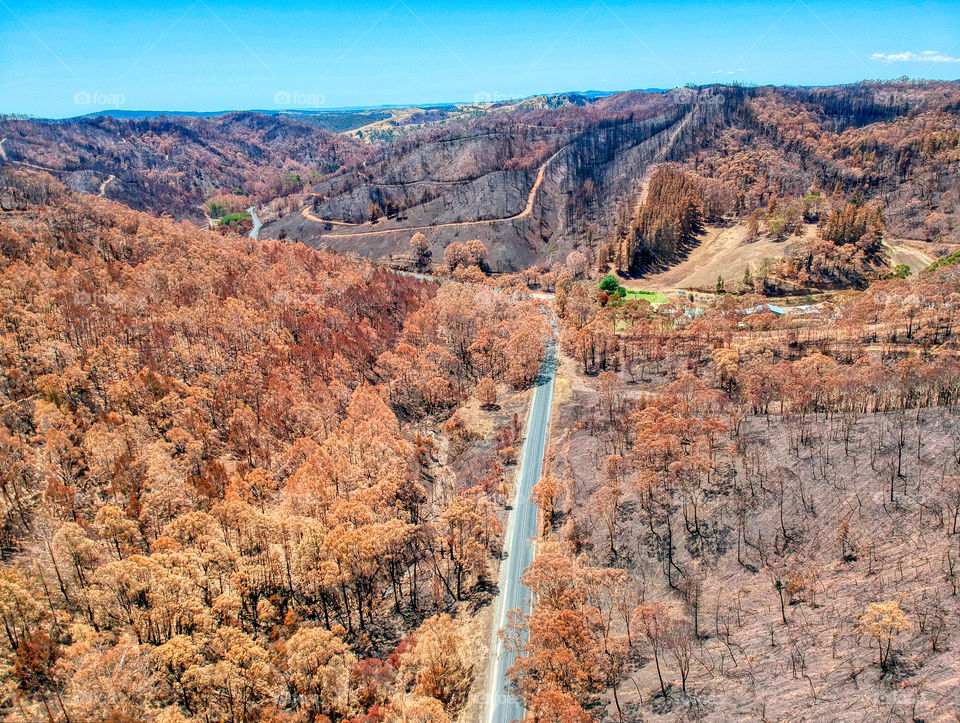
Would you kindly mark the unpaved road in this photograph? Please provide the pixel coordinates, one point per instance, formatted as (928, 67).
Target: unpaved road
(103, 186)
(527, 210)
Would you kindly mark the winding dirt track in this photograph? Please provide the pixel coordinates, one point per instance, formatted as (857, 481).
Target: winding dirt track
(3, 153)
(527, 210)
(34, 166)
(103, 186)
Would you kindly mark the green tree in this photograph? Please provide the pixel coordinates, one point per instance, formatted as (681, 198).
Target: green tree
(215, 209)
(610, 284)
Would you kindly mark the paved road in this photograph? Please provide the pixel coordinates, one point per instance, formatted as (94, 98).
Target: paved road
(501, 706)
(255, 231)
(519, 545)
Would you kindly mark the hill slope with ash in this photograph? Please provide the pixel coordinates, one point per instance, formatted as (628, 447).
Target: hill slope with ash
(895, 143)
(536, 179)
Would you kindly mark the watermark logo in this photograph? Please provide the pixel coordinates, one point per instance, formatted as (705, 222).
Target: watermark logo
(296, 98)
(85, 298)
(96, 97)
(486, 96)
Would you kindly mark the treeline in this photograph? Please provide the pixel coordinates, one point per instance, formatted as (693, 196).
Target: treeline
(891, 143)
(902, 317)
(663, 223)
(847, 252)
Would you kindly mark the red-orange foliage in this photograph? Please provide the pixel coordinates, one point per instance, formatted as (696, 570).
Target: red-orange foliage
(212, 440)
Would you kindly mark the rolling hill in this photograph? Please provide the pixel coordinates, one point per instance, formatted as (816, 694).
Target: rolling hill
(536, 178)
(172, 164)
(752, 148)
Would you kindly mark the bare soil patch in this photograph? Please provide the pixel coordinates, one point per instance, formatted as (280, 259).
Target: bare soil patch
(720, 251)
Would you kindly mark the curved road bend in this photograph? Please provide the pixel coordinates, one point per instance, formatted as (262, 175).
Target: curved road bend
(501, 706)
(255, 231)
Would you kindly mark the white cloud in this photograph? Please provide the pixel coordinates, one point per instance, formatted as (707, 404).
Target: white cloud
(927, 56)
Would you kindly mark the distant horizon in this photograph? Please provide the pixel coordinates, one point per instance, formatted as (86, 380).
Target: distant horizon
(63, 61)
(132, 112)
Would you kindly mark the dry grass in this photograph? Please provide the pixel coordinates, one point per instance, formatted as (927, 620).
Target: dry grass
(720, 251)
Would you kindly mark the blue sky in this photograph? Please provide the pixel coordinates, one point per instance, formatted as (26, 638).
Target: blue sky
(61, 59)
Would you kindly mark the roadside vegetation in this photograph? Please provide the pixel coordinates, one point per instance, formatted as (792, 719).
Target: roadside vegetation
(950, 260)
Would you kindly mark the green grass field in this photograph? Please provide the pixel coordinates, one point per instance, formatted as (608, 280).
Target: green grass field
(654, 297)
(234, 218)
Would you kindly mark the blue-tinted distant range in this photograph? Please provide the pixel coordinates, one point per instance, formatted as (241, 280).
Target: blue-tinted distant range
(62, 60)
